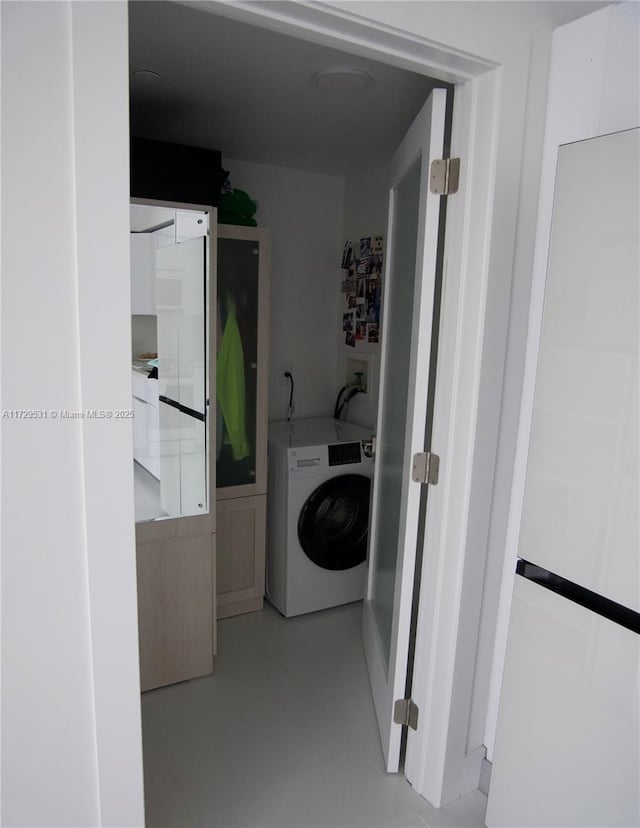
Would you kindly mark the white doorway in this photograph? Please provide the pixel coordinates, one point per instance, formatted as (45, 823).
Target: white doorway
(293, 679)
(452, 310)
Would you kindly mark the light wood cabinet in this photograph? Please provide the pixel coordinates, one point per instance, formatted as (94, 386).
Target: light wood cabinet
(241, 532)
(176, 556)
(176, 606)
(241, 462)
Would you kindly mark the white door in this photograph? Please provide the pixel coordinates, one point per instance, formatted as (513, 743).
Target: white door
(410, 276)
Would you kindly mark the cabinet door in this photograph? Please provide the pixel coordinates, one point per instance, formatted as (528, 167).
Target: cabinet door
(182, 376)
(242, 348)
(175, 609)
(241, 530)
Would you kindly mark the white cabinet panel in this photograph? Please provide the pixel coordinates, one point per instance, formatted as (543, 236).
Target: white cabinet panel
(139, 385)
(143, 292)
(152, 421)
(190, 225)
(151, 392)
(139, 430)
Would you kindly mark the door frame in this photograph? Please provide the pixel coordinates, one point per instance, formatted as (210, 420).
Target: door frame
(490, 114)
(488, 121)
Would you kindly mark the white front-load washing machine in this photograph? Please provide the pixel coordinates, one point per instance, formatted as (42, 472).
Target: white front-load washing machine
(318, 514)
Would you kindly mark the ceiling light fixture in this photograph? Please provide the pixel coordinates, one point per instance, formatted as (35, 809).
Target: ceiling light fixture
(342, 78)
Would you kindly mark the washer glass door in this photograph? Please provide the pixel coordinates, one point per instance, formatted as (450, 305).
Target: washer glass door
(334, 521)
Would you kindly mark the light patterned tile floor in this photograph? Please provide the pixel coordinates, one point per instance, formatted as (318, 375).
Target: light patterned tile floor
(282, 735)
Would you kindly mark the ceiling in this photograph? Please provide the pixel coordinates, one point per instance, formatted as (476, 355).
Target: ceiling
(248, 92)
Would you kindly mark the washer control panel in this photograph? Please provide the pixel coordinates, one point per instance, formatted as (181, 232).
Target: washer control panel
(343, 454)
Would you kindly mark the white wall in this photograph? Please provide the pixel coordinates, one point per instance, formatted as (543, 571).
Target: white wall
(310, 215)
(71, 751)
(304, 212)
(365, 214)
(594, 89)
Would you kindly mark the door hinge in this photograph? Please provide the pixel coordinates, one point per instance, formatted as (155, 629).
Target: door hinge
(405, 712)
(426, 468)
(445, 175)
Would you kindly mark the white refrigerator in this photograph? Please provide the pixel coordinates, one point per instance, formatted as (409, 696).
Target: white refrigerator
(567, 749)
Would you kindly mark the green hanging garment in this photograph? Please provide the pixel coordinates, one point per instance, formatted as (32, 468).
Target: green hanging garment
(230, 385)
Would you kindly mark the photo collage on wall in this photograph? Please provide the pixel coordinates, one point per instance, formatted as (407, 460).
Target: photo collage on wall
(362, 289)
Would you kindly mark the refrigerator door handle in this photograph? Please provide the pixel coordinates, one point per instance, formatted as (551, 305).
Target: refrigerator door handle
(619, 614)
(191, 412)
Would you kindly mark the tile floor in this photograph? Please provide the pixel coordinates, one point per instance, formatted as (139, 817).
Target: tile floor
(282, 735)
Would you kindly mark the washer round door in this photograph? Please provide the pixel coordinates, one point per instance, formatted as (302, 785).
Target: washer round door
(334, 522)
